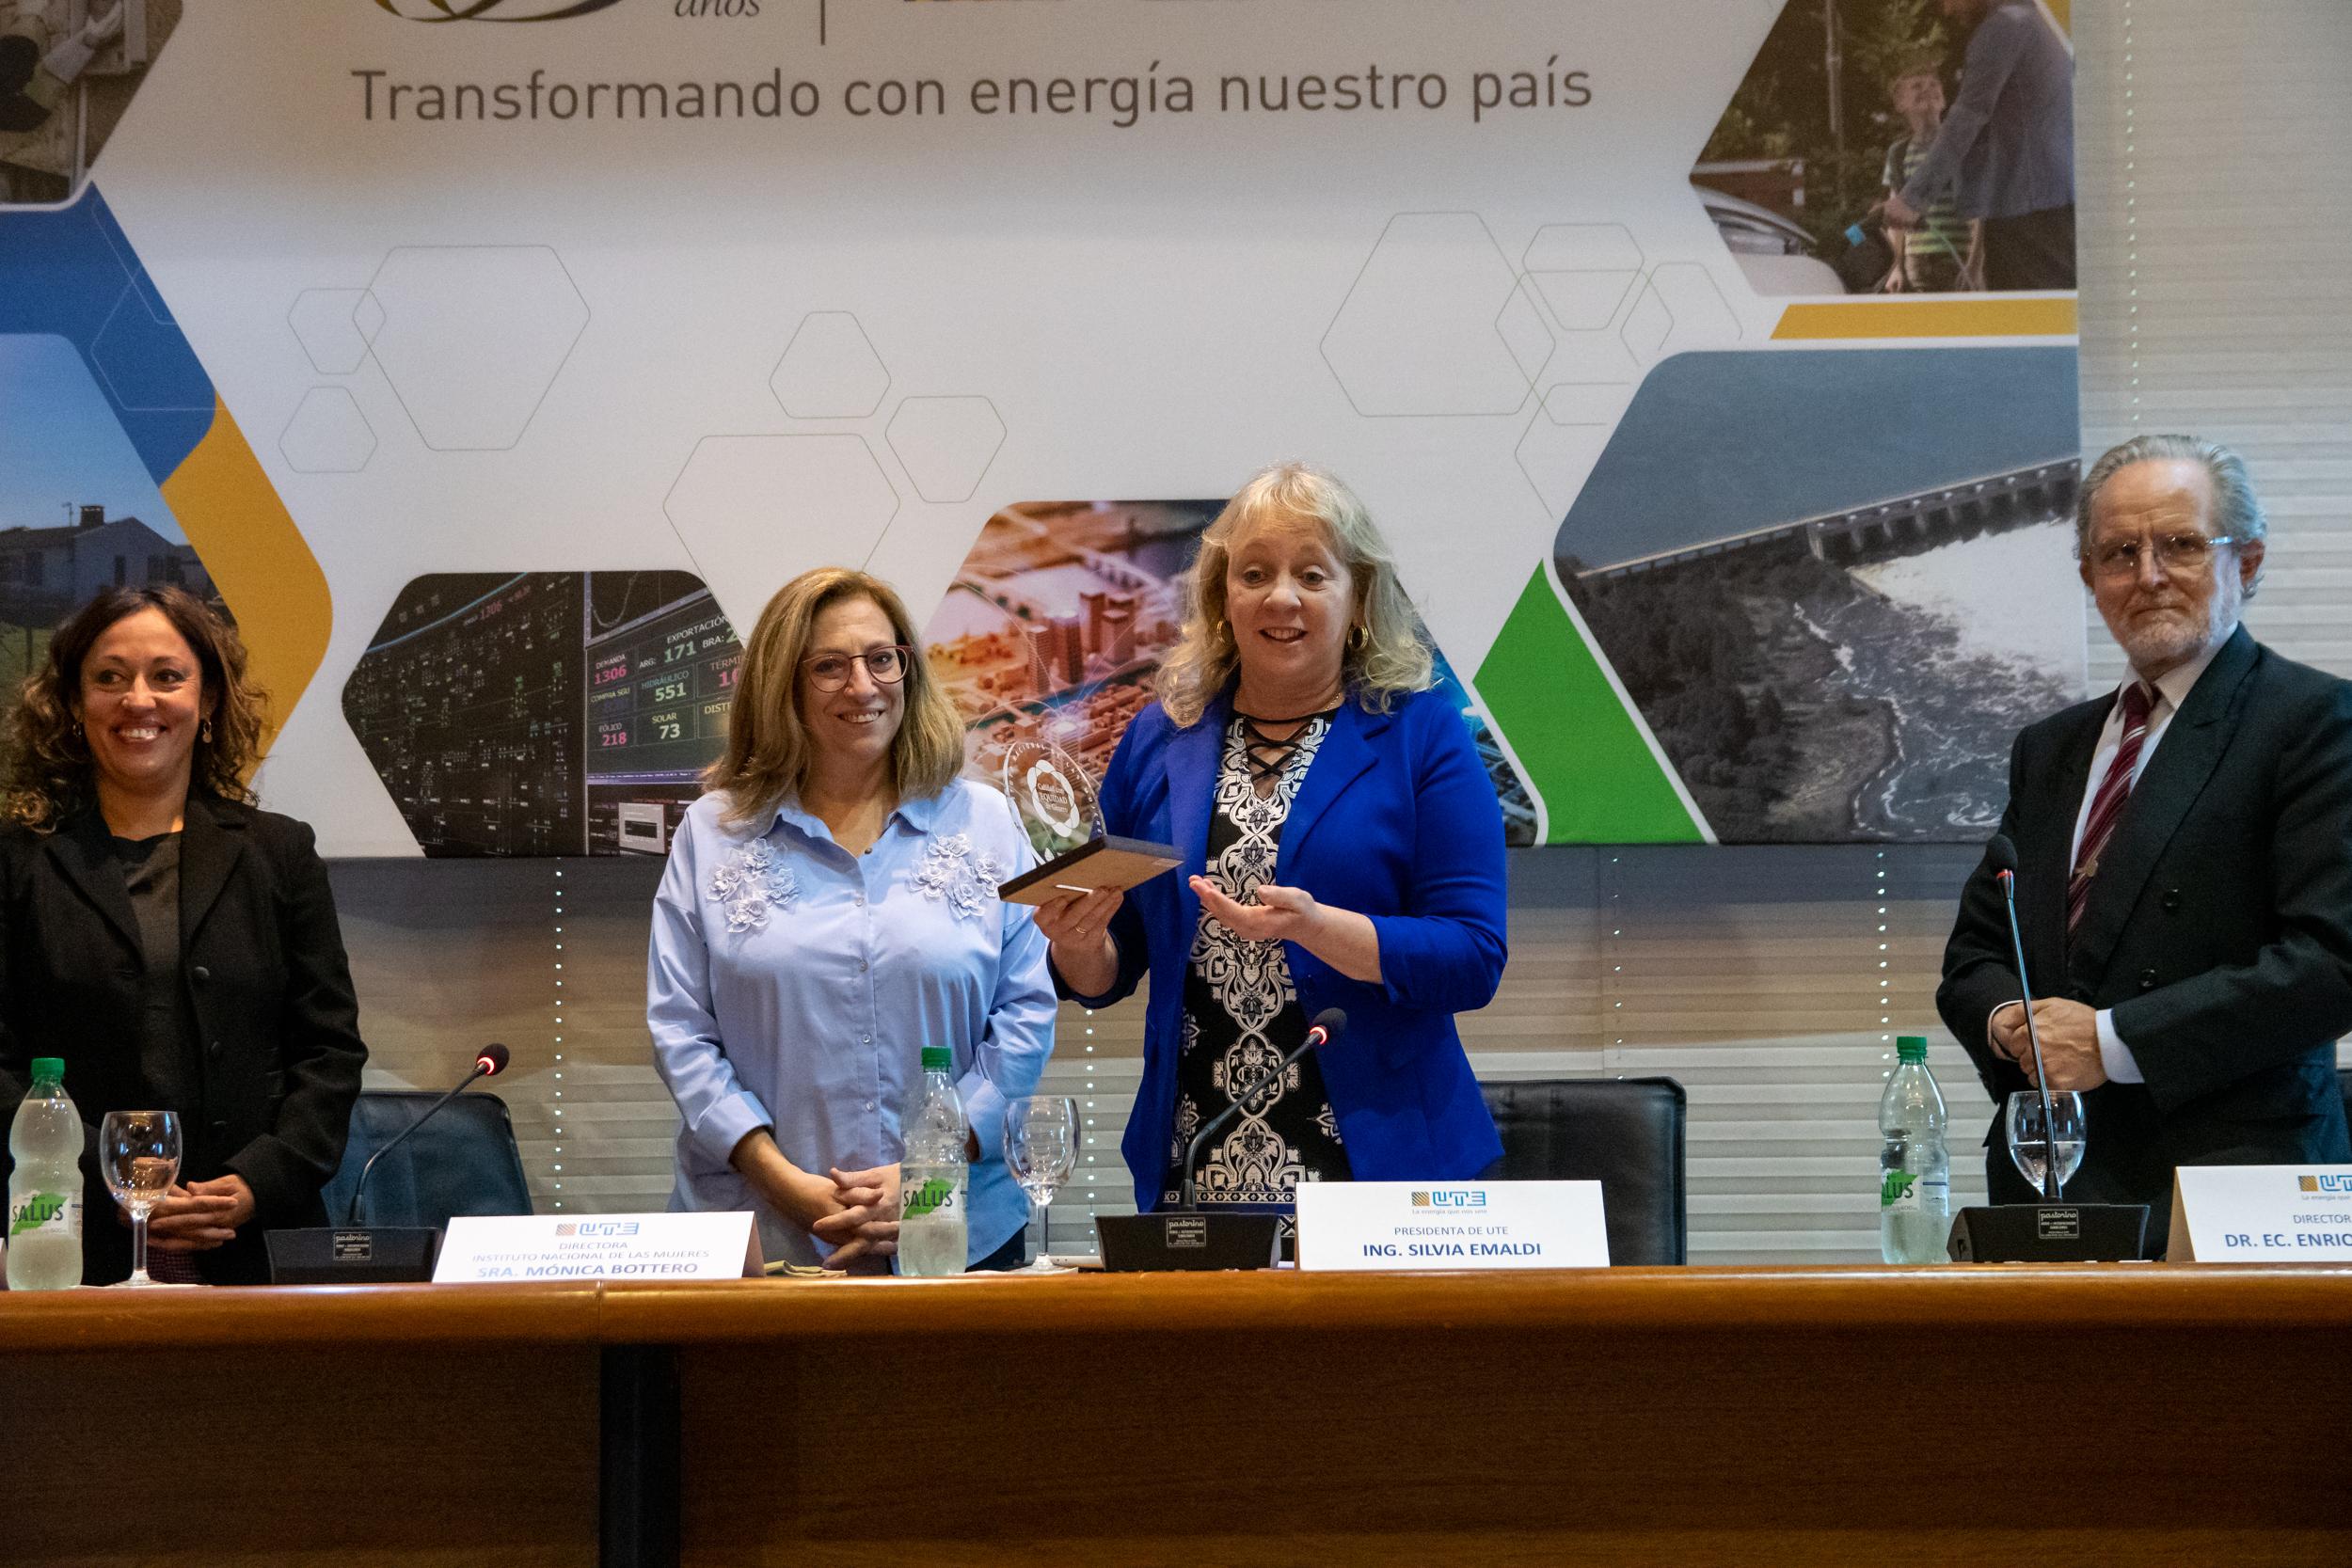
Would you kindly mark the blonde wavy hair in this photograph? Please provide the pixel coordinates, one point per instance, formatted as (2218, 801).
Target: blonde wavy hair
(49, 773)
(769, 752)
(1387, 654)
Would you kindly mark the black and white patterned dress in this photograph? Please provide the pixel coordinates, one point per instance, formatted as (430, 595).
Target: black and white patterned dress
(1242, 1011)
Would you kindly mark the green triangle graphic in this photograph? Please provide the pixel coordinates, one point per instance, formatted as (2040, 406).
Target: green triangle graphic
(1580, 749)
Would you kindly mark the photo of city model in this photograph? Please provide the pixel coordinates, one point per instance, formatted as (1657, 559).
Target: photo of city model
(1051, 639)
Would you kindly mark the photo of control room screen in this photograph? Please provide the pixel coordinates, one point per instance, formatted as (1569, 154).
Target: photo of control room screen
(544, 713)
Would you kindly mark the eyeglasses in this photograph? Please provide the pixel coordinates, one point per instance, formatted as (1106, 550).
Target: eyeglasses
(2179, 553)
(830, 672)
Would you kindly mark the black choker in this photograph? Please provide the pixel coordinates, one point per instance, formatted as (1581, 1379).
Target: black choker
(1278, 753)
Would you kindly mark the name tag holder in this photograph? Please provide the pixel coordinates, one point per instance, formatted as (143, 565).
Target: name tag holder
(2261, 1214)
(1364, 1226)
(539, 1248)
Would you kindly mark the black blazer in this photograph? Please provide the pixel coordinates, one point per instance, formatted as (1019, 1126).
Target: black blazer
(2218, 929)
(262, 963)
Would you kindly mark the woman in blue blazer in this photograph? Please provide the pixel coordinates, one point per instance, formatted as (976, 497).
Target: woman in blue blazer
(1342, 848)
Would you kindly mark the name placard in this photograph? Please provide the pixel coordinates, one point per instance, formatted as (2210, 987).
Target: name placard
(1466, 1225)
(598, 1246)
(2261, 1214)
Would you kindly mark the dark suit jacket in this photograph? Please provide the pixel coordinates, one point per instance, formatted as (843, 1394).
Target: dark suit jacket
(1396, 820)
(262, 962)
(2218, 929)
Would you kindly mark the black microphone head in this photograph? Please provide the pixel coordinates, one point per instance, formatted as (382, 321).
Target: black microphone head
(491, 1059)
(2001, 853)
(1330, 1024)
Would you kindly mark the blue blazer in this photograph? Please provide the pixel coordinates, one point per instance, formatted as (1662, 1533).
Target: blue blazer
(1396, 820)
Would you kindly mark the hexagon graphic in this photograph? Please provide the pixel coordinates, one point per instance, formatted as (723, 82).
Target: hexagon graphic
(1052, 636)
(1792, 177)
(1680, 308)
(1525, 332)
(1566, 437)
(472, 337)
(1583, 271)
(544, 713)
(1423, 330)
(148, 364)
(1794, 561)
(91, 66)
(327, 434)
(328, 324)
(829, 371)
(756, 510)
(946, 444)
(71, 284)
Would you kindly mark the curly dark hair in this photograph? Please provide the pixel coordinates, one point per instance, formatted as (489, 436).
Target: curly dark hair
(47, 773)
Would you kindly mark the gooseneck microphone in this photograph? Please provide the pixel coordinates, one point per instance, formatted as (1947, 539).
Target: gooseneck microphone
(488, 1063)
(1329, 1025)
(2003, 854)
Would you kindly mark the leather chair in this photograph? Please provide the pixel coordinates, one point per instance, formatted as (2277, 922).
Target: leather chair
(462, 1162)
(2343, 1082)
(1627, 1133)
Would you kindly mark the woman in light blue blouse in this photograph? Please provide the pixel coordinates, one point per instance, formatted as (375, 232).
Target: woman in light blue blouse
(829, 909)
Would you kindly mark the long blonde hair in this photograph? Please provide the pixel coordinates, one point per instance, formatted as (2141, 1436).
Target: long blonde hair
(1385, 655)
(769, 752)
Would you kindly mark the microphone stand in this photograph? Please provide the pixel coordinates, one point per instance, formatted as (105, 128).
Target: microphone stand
(480, 1070)
(2053, 1188)
(1186, 1199)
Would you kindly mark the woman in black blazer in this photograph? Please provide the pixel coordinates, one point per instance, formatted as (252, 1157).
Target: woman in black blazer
(174, 944)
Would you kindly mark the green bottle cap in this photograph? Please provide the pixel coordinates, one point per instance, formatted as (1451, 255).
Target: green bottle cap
(1911, 1048)
(938, 1058)
(48, 1069)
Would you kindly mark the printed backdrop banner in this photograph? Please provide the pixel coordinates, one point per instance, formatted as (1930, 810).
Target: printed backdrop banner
(494, 360)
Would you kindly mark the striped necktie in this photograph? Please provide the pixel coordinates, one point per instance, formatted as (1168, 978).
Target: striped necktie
(2106, 807)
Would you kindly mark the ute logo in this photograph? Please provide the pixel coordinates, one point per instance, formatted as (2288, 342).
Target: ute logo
(2335, 1184)
(1441, 1198)
(492, 11)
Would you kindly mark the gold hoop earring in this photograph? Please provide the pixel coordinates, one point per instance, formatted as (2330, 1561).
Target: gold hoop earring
(1356, 637)
(204, 731)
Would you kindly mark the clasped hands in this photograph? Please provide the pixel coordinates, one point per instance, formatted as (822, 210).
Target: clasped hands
(198, 1216)
(2070, 1042)
(853, 1212)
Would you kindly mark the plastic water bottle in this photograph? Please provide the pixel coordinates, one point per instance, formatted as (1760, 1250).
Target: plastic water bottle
(933, 1178)
(45, 1188)
(1914, 1170)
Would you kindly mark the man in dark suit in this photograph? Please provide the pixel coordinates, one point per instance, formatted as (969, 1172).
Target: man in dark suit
(2184, 863)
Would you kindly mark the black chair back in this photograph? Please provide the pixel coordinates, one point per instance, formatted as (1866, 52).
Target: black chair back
(462, 1162)
(1627, 1133)
(2343, 1082)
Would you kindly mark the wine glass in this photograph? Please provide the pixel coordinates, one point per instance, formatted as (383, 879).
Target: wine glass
(1040, 1151)
(138, 1154)
(2031, 1140)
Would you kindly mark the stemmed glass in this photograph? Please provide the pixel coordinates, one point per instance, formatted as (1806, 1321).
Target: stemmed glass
(1040, 1151)
(138, 1154)
(2031, 1140)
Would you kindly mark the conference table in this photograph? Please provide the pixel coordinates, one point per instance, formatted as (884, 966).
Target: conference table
(2080, 1415)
